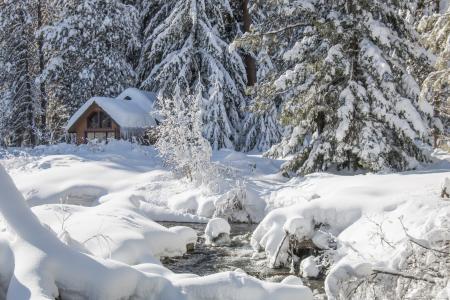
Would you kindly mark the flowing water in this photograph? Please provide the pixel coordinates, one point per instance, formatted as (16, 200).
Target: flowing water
(205, 260)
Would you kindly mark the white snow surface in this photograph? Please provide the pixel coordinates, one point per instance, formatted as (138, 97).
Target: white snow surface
(46, 268)
(100, 200)
(132, 109)
(347, 204)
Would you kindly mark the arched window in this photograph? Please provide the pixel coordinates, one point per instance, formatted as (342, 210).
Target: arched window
(99, 119)
(93, 120)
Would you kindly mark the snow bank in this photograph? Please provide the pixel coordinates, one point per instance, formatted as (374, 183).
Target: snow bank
(302, 221)
(217, 232)
(89, 175)
(46, 268)
(390, 242)
(364, 216)
(232, 285)
(338, 202)
(6, 265)
(115, 230)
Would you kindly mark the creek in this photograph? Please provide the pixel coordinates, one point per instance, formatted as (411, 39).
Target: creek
(206, 260)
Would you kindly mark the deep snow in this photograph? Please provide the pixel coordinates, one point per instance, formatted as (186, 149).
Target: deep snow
(101, 200)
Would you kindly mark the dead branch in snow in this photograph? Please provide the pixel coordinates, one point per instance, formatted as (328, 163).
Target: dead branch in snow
(416, 241)
(403, 275)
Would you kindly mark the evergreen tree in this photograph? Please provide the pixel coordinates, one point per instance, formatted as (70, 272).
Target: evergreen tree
(435, 30)
(89, 50)
(262, 127)
(350, 88)
(19, 110)
(186, 47)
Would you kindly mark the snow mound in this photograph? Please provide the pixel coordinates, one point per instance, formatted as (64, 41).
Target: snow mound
(116, 230)
(217, 232)
(292, 280)
(309, 268)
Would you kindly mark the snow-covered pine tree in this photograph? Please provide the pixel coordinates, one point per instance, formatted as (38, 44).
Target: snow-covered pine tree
(350, 88)
(180, 139)
(435, 30)
(89, 50)
(17, 87)
(262, 128)
(186, 46)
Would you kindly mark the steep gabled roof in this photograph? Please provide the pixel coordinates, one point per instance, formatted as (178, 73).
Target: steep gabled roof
(133, 108)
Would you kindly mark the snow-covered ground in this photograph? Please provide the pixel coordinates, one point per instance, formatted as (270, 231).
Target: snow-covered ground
(102, 200)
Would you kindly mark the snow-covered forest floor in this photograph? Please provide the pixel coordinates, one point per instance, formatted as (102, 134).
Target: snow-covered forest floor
(363, 233)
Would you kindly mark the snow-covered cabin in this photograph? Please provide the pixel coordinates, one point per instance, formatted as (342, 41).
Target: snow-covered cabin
(127, 116)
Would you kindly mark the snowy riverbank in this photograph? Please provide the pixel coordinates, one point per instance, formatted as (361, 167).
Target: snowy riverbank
(102, 200)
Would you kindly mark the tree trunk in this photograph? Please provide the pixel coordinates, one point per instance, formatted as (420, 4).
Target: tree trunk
(437, 3)
(249, 61)
(43, 102)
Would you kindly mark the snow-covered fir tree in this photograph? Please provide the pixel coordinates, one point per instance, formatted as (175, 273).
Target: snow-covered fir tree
(18, 93)
(261, 126)
(89, 50)
(350, 88)
(186, 46)
(435, 30)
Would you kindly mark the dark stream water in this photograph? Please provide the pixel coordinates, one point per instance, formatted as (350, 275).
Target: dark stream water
(205, 260)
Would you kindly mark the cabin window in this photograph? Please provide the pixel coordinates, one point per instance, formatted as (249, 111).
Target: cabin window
(99, 135)
(92, 121)
(99, 120)
(105, 120)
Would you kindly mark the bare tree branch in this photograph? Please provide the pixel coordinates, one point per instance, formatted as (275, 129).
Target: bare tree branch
(403, 275)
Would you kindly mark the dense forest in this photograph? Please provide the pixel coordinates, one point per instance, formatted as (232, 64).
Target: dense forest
(329, 84)
(224, 149)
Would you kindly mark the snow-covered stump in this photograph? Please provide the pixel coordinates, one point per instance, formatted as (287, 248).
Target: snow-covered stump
(45, 268)
(231, 206)
(217, 232)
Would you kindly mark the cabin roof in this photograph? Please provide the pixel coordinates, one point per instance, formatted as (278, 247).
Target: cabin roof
(133, 108)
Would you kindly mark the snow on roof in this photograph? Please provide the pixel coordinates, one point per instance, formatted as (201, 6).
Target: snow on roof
(133, 108)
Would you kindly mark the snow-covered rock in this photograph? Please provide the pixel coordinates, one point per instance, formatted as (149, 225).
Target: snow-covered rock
(309, 268)
(217, 232)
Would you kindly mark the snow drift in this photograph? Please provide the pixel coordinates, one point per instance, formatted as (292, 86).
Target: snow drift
(46, 268)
